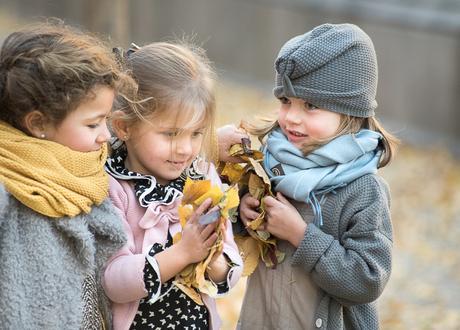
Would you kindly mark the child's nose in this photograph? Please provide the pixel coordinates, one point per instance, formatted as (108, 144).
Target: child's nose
(104, 135)
(293, 115)
(184, 146)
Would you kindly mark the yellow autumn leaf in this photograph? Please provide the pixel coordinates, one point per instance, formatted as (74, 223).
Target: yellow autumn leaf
(177, 238)
(263, 234)
(210, 288)
(193, 189)
(236, 150)
(244, 181)
(264, 250)
(256, 155)
(187, 270)
(270, 241)
(232, 172)
(257, 222)
(230, 201)
(215, 193)
(184, 211)
(250, 253)
(200, 269)
(193, 279)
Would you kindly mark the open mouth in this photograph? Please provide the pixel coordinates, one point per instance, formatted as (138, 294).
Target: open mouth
(297, 134)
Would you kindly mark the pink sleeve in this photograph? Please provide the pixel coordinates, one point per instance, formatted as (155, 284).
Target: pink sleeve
(231, 250)
(124, 273)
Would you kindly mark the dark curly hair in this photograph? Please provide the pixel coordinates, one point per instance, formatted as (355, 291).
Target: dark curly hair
(52, 68)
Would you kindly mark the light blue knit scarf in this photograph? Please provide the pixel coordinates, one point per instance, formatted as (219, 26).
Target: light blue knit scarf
(333, 165)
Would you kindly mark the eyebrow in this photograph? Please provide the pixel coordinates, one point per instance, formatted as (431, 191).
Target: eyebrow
(100, 116)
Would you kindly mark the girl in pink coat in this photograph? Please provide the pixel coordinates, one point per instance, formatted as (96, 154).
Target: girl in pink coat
(161, 138)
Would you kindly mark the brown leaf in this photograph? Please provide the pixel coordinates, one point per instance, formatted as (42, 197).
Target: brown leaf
(236, 150)
(256, 186)
(249, 250)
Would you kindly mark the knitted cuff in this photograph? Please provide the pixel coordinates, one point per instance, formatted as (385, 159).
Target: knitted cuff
(312, 247)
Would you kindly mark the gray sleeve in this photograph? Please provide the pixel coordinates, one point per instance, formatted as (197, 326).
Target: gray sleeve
(3, 203)
(355, 267)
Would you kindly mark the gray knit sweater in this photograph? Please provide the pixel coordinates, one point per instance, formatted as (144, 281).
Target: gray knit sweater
(348, 259)
(44, 262)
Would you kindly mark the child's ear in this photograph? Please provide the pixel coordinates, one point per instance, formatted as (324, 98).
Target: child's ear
(36, 123)
(119, 125)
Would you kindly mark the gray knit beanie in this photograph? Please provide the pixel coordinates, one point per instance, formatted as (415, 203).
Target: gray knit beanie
(333, 67)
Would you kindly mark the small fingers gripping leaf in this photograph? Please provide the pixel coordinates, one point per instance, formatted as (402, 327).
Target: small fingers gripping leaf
(251, 176)
(193, 280)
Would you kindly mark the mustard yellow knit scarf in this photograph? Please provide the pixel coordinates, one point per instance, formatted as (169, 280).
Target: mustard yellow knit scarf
(51, 178)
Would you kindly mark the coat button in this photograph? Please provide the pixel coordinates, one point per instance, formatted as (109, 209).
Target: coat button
(319, 323)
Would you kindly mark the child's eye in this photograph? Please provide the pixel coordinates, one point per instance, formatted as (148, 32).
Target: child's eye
(284, 100)
(197, 134)
(310, 106)
(93, 125)
(171, 133)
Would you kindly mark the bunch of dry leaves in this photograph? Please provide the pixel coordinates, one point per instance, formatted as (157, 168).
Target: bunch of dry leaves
(251, 177)
(193, 280)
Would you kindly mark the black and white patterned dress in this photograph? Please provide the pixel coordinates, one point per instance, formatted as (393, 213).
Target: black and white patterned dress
(173, 309)
(166, 306)
(145, 186)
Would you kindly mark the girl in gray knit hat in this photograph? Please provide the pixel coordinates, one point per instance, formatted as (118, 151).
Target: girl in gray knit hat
(331, 212)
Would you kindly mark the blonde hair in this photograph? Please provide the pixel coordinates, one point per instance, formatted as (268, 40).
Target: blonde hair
(172, 76)
(52, 68)
(348, 125)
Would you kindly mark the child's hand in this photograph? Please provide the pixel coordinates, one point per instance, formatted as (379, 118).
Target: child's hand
(248, 207)
(218, 268)
(227, 136)
(283, 220)
(197, 239)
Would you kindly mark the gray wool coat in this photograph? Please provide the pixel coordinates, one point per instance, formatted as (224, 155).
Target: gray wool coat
(340, 268)
(43, 262)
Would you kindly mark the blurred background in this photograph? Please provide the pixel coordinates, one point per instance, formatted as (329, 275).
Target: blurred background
(418, 48)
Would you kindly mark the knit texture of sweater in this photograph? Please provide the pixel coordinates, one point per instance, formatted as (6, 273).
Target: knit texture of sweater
(45, 261)
(348, 258)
